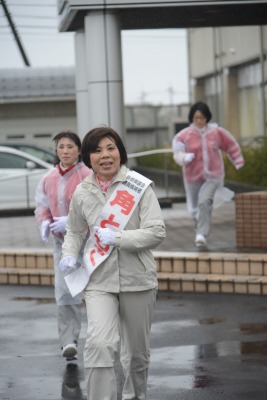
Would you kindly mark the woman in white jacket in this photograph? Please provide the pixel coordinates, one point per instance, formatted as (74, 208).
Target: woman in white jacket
(121, 291)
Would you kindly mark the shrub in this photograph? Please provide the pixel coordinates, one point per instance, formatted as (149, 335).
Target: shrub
(160, 161)
(254, 171)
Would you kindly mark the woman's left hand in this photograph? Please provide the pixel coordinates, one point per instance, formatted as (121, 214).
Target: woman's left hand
(59, 225)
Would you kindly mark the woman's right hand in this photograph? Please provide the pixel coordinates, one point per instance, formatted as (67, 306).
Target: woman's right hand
(67, 263)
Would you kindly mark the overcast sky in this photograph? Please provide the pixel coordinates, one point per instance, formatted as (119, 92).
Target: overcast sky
(155, 68)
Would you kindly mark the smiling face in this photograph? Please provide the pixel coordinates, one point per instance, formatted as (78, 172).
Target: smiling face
(105, 160)
(67, 151)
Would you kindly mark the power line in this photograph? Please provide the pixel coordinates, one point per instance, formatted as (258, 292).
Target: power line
(55, 35)
(32, 27)
(37, 27)
(32, 5)
(34, 16)
(15, 33)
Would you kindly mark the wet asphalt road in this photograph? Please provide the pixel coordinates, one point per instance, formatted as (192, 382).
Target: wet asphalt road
(203, 347)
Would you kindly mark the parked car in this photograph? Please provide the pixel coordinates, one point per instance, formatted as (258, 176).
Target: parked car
(19, 175)
(35, 150)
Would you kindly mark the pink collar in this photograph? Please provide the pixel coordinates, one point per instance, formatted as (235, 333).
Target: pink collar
(104, 185)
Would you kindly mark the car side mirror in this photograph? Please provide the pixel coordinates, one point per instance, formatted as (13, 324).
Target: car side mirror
(30, 165)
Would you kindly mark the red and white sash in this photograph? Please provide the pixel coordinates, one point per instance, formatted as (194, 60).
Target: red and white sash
(114, 215)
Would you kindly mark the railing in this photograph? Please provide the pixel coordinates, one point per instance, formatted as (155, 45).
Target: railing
(25, 175)
(29, 174)
(165, 164)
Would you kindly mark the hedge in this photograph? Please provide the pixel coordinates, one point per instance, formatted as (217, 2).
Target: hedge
(254, 171)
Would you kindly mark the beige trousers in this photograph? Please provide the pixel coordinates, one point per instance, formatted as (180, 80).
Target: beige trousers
(113, 318)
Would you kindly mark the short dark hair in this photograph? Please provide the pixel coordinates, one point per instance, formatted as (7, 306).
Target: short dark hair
(92, 138)
(69, 135)
(203, 108)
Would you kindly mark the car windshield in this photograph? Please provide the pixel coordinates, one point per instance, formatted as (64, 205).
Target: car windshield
(41, 154)
(14, 161)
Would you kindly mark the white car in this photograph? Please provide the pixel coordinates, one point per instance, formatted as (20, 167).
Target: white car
(20, 174)
(33, 149)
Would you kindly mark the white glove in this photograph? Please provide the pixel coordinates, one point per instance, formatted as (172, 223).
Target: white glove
(188, 157)
(106, 235)
(238, 166)
(59, 225)
(44, 231)
(66, 263)
(178, 158)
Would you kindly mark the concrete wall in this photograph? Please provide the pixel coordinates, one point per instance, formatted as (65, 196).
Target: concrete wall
(146, 126)
(36, 121)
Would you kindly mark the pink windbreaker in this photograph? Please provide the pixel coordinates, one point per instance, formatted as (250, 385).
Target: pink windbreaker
(54, 192)
(207, 147)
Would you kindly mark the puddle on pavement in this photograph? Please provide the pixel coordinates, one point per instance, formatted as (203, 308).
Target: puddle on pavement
(171, 382)
(161, 328)
(258, 347)
(37, 299)
(202, 381)
(249, 328)
(211, 321)
(182, 364)
(253, 328)
(166, 326)
(181, 368)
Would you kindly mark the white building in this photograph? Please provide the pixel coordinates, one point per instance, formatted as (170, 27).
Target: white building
(228, 70)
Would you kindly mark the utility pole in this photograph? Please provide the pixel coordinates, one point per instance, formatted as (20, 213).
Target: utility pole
(171, 93)
(143, 97)
(14, 31)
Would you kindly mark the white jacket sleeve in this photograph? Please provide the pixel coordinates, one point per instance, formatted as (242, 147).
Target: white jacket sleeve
(76, 230)
(151, 230)
(178, 149)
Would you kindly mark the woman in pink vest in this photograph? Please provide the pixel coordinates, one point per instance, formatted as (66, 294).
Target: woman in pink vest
(198, 150)
(53, 196)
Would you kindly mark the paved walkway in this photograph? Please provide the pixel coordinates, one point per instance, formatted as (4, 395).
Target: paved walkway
(21, 232)
(181, 231)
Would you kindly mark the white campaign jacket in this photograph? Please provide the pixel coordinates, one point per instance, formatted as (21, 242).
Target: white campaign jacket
(130, 266)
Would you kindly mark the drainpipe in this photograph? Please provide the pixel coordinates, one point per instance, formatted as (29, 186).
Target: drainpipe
(263, 101)
(216, 57)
